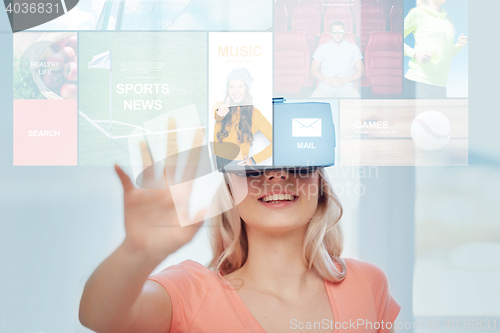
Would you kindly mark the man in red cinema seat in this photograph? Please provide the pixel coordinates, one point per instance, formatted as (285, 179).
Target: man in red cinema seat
(337, 65)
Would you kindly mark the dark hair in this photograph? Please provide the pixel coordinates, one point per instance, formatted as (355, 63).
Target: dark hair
(337, 22)
(245, 125)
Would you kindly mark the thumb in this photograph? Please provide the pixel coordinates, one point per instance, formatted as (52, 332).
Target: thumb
(200, 216)
(196, 223)
(124, 179)
(227, 100)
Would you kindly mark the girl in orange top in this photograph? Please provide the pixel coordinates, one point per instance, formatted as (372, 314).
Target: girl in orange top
(237, 121)
(276, 264)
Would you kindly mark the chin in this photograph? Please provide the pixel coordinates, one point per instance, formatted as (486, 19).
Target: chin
(281, 220)
(277, 225)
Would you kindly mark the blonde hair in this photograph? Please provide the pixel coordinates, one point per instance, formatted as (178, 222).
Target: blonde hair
(323, 242)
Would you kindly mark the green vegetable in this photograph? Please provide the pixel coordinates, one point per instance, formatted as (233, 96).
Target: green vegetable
(23, 83)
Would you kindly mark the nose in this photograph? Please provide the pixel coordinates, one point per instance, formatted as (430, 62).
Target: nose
(280, 174)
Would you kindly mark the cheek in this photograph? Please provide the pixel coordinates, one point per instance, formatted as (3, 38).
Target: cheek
(309, 195)
(308, 187)
(239, 189)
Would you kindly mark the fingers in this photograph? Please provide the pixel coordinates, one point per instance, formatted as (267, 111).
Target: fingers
(200, 216)
(462, 40)
(336, 83)
(246, 161)
(172, 149)
(171, 154)
(195, 224)
(124, 179)
(425, 56)
(147, 162)
(223, 111)
(333, 82)
(194, 157)
(146, 158)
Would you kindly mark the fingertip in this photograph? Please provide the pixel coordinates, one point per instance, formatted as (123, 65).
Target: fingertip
(199, 218)
(171, 124)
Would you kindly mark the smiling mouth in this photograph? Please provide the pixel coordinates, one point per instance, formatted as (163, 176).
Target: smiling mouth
(278, 198)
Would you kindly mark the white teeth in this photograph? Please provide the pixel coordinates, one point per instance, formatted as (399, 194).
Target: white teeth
(274, 198)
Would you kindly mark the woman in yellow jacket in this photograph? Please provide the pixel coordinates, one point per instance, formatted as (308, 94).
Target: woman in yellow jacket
(237, 120)
(434, 49)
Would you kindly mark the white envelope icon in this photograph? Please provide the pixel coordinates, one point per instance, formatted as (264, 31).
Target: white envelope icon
(306, 127)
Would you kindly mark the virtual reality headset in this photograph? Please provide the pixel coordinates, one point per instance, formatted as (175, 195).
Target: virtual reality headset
(303, 139)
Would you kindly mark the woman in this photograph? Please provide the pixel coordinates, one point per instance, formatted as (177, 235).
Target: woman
(434, 49)
(237, 121)
(276, 264)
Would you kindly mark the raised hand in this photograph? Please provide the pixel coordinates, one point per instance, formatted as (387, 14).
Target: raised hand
(247, 160)
(423, 56)
(152, 221)
(223, 110)
(462, 41)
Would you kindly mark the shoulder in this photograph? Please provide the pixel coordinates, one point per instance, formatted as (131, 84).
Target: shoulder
(352, 46)
(188, 284)
(184, 269)
(367, 284)
(256, 113)
(188, 277)
(258, 116)
(367, 273)
(416, 12)
(365, 268)
(323, 47)
(349, 44)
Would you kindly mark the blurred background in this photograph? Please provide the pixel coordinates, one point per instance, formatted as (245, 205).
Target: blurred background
(434, 231)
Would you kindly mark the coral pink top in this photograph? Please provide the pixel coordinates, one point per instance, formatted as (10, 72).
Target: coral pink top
(203, 302)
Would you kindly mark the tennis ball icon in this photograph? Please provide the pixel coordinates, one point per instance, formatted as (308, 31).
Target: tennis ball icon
(431, 130)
